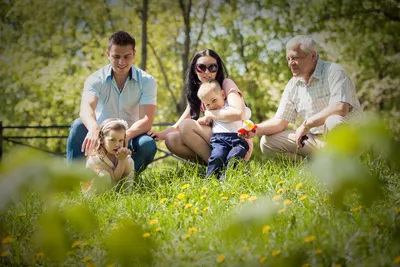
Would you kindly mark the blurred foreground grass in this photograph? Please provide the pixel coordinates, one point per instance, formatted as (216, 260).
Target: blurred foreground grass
(340, 208)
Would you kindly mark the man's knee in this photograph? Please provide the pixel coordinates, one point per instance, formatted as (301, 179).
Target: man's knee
(264, 144)
(77, 127)
(332, 121)
(147, 145)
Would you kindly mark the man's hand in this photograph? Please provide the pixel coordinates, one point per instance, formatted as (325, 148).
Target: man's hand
(205, 121)
(301, 134)
(123, 153)
(90, 140)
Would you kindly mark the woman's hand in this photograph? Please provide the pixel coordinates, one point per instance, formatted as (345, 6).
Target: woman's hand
(160, 135)
(123, 153)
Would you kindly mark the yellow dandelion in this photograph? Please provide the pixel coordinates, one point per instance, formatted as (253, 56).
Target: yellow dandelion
(90, 265)
(192, 229)
(206, 208)
(281, 210)
(318, 251)
(245, 248)
(158, 229)
(75, 244)
(181, 196)
(299, 185)
(280, 182)
(275, 198)
(305, 265)
(244, 196)
(146, 235)
(185, 186)
(196, 210)
(310, 239)
(7, 240)
(187, 236)
(397, 260)
(163, 200)
(22, 214)
(251, 199)
(287, 202)
(357, 208)
(153, 221)
(203, 196)
(4, 253)
(280, 190)
(86, 259)
(262, 260)
(204, 189)
(39, 255)
(233, 193)
(242, 200)
(188, 205)
(266, 229)
(276, 252)
(224, 198)
(302, 198)
(176, 204)
(221, 258)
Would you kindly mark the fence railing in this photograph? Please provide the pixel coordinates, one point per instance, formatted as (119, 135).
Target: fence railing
(16, 139)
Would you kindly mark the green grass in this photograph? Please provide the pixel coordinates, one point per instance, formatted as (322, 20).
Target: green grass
(73, 229)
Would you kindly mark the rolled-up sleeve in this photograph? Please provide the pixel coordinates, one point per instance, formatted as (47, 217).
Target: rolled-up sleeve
(286, 109)
(92, 85)
(340, 87)
(149, 92)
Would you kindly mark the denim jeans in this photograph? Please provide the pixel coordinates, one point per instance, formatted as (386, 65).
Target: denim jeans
(143, 147)
(224, 148)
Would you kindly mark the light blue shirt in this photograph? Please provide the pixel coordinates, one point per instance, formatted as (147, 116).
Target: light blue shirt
(139, 89)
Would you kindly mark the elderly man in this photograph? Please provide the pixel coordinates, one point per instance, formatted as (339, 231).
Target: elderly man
(320, 93)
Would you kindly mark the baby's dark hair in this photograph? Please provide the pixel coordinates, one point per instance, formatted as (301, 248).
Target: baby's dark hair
(107, 126)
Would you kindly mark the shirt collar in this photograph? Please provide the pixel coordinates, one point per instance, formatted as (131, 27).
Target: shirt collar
(132, 73)
(317, 71)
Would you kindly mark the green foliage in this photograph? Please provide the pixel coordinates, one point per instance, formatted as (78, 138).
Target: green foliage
(47, 54)
(271, 212)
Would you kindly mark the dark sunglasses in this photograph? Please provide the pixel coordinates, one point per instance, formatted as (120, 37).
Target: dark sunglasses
(212, 68)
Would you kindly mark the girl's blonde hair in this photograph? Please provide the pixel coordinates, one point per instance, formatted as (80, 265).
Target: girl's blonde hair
(107, 126)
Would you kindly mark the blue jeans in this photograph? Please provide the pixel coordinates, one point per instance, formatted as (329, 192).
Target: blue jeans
(143, 147)
(224, 148)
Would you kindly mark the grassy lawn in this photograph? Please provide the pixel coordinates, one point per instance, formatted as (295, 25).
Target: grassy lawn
(334, 211)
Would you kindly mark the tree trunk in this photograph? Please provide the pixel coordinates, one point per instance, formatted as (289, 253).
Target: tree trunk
(144, 34)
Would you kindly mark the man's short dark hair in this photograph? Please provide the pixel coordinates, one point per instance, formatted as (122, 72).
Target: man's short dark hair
(121, 38)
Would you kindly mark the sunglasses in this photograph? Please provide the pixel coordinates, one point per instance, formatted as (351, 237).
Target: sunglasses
(212, 68)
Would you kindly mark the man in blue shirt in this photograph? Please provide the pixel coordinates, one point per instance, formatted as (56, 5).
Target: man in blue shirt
(118, 90)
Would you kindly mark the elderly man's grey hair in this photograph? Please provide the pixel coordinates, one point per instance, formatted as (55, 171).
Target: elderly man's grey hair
(307, 44)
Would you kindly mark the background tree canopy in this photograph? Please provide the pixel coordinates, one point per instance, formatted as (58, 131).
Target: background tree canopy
(48, 49)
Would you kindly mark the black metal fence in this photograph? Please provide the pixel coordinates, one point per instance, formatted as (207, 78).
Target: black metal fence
(18, 139)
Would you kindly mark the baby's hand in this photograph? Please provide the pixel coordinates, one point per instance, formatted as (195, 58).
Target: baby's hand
(123, 153)
(205, 121)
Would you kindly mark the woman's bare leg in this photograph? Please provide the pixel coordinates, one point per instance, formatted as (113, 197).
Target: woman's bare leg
(175, 144)
(196, 137)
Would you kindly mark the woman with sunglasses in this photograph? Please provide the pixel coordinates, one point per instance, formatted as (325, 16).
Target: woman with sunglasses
(187, 138)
